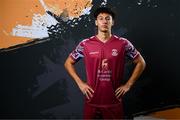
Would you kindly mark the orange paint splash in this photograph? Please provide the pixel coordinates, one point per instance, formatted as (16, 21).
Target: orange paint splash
(74, 8)
(14, 12)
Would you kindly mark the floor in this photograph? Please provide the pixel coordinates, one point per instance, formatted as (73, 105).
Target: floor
(168, 114)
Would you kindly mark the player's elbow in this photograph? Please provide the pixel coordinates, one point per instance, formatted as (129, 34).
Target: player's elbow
(68, 63)
(65, 64)
(142, 63)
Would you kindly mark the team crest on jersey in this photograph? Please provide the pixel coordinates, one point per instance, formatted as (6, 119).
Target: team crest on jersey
(114, 52)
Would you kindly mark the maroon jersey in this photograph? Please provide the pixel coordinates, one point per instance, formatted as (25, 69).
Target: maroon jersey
(104, 66)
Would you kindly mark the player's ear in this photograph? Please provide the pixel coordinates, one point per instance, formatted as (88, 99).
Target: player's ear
(96, 22)
(112, 22)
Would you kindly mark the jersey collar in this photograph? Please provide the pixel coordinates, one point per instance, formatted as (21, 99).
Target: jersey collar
(109, 40)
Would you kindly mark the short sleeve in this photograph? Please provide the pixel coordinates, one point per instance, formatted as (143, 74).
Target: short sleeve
(131, 50)
(78, 52)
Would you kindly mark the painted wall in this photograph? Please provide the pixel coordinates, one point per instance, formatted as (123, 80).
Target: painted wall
(38, 35)
(24, 20)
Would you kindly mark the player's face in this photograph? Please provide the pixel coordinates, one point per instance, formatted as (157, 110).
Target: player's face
(104, 22)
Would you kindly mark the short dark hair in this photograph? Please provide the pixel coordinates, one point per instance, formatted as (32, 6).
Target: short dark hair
(103, 10)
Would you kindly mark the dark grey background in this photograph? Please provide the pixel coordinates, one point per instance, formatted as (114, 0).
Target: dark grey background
(34, 83)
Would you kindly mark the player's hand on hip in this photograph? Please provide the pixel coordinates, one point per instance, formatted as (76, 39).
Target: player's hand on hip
(86, 90)
(120, 91)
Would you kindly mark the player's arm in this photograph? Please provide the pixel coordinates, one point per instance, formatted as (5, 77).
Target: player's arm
(69, 66)
(139, 67)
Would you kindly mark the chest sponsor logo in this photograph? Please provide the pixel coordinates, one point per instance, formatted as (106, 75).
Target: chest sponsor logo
(104, 74)
(114, 52)
(93, 53)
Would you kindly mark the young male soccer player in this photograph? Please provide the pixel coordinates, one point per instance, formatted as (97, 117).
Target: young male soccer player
(104, 56)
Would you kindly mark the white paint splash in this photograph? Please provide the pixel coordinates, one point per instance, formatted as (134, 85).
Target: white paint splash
(86, 11)
(38, 29)
(139, 2)
(104, 3)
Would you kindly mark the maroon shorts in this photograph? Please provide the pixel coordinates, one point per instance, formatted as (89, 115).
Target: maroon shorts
(114, 112)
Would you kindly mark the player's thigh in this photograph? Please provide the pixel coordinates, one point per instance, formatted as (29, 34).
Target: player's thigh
(89, 112)
(113, 112)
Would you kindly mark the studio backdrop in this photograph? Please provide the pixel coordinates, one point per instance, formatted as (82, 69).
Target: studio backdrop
(36, 37)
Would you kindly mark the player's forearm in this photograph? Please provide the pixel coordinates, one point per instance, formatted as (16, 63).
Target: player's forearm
(71, 70)
(139, 68)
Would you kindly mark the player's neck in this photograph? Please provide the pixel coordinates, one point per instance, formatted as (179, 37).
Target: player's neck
(104, 36)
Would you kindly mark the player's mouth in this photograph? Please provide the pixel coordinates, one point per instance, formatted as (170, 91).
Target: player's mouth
(104, 26)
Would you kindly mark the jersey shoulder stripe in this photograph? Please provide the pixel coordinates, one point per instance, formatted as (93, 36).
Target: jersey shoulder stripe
(86, 40)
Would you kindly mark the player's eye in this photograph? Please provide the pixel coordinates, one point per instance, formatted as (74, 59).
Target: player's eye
(100, 18)
(107, 18)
